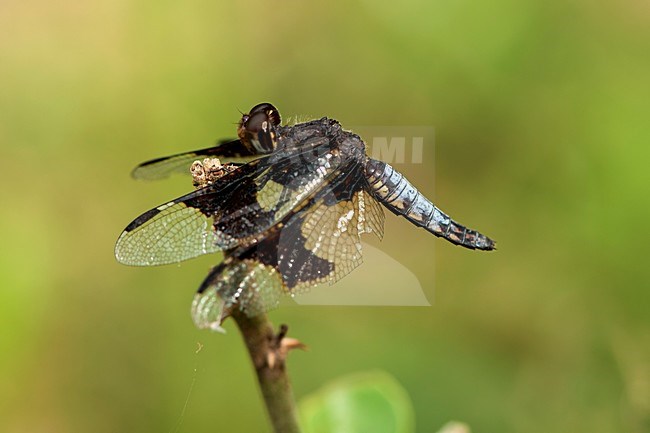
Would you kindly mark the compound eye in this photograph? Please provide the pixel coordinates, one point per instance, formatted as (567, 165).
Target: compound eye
(257, 122)
(257, 129)
(272, 113)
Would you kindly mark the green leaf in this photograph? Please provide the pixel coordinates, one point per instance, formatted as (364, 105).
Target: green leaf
(364, 402)
(454, 427)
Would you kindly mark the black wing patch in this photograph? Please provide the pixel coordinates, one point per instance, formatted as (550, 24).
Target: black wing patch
(160, 168)
(234, 211)
(181, 229)
(317, 242)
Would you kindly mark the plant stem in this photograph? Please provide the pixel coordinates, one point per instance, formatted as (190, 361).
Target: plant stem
(262, 344)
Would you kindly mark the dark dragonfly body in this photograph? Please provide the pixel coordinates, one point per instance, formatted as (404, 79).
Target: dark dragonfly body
(288, 219)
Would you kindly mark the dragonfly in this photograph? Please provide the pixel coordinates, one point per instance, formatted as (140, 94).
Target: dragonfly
(287, 210)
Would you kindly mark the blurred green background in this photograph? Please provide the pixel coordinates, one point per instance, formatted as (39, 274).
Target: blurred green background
(541, 115)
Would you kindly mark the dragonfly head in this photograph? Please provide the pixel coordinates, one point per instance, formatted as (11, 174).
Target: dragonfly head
(257, 128)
